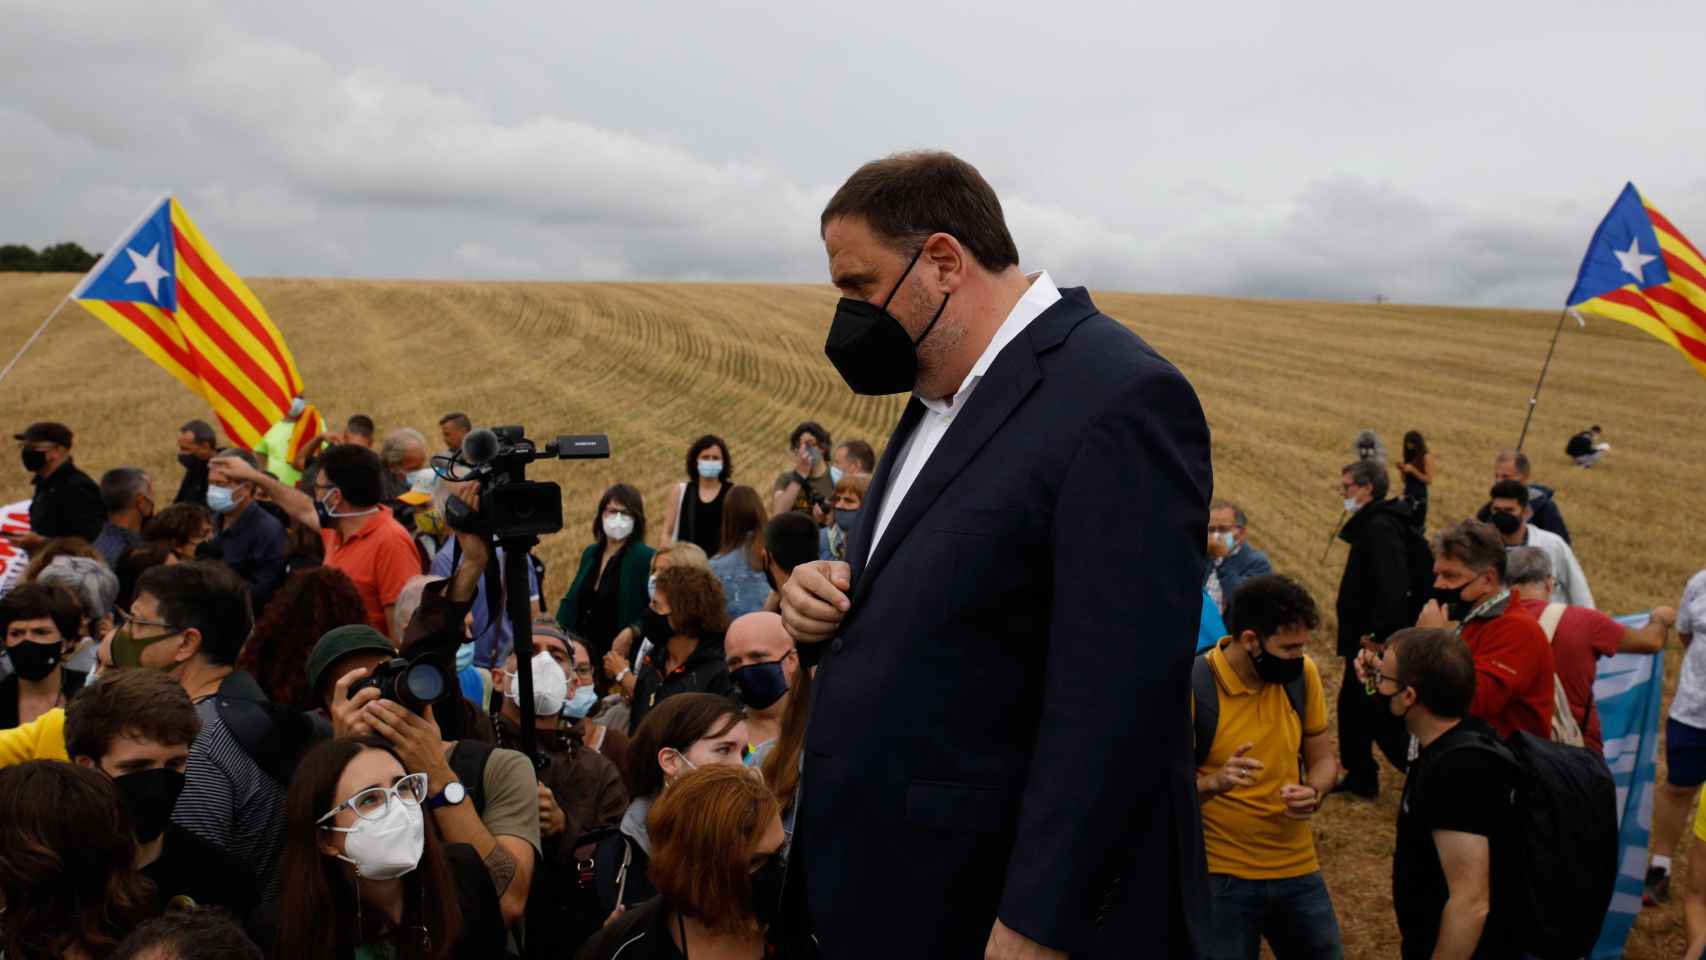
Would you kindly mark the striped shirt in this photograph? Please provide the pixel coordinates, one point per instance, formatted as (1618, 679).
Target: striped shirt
(232, 803)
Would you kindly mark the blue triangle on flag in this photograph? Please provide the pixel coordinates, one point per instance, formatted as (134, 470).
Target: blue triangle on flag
(1623, 251)
(140, 268)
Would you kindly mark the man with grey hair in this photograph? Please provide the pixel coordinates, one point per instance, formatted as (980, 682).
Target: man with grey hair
(196, 443)
(1374, 603)
(1580, 636)
(128, 496)
(1232, 560)
(404, 452)
(249, 539)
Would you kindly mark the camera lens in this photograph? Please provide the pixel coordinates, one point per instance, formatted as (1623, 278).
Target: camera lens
(424, 682)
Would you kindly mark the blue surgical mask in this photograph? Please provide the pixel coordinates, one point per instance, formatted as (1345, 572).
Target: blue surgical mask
(835, 474)
(464, 656)
(580, 703)
(220, 499)
(710, 469)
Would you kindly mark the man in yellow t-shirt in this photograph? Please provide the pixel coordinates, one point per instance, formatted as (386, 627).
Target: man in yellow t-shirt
(1267, 765)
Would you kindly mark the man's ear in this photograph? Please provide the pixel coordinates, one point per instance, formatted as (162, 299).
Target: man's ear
(189, 644)
(949, 259)
(1250, 635)
(85, 762)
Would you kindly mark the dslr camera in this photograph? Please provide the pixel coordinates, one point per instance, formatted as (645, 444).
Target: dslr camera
(416, 683)
(511, 506)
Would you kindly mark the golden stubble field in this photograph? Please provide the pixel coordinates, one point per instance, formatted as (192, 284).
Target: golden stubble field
(1285, 386)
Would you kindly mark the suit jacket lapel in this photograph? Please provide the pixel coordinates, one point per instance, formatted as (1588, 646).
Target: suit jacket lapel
(857, 545)
(1001, 390)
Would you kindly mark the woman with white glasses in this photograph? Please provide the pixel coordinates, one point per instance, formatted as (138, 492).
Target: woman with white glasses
(365, 874)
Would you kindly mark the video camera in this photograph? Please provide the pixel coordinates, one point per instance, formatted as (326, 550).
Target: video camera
(511, 506)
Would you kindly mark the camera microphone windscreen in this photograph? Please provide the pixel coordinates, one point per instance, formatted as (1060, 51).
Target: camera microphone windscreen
(479, 446)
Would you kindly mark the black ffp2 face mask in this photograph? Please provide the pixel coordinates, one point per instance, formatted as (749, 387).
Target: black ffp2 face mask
(149, 796)
(871, 349)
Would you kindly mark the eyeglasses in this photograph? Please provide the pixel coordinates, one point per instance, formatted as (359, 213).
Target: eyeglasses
(374, 802)
(1388, 678)
(144, 621)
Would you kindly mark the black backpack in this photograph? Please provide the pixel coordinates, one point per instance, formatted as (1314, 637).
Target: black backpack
(1555, 866)
(1207, 696)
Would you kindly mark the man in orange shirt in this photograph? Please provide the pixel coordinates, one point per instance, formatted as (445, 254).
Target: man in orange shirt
(360, 536)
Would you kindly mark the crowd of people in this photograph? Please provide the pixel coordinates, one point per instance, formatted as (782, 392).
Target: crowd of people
(200, 747)
(288, 715)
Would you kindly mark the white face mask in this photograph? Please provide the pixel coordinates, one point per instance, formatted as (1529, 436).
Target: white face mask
(1351, 505)
(617, 526)
(389, 847)
(550, 686)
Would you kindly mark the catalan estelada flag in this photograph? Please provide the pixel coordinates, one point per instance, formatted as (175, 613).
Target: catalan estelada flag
(166, 290)
(1641, 270)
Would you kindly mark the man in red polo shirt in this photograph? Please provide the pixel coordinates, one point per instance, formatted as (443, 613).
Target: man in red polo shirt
(1513, 661)
(1580, 635)
(359, 534)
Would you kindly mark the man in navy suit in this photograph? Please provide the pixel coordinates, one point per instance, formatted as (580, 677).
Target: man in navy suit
(999, 756)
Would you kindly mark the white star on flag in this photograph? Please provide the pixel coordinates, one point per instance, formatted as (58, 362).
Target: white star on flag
(146, 270)
(1633, 260)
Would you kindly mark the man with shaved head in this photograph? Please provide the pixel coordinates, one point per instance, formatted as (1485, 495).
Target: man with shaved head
(762, 663)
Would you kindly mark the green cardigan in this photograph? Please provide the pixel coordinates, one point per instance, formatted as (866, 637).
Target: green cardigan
(634, 568)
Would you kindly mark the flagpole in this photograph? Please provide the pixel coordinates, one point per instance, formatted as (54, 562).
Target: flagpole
(1535, 399)
(33, 338)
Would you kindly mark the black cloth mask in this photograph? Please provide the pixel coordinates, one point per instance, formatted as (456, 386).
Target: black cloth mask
(33, 459)
(1274, 669)
(871, 349)
(189, 460)
(149, 796)
(761, 684)
(1506, 523)
(34, 661)
(1451, 598)
(655, 627)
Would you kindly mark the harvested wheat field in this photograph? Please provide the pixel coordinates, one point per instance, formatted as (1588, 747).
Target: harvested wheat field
(1285, 384)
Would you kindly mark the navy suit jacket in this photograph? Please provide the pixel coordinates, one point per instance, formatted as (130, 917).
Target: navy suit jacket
(1001, 728)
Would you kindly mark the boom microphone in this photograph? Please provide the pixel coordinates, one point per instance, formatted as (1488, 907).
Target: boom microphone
(479, 446)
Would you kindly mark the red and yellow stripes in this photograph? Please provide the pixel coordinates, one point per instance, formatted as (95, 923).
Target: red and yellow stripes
(308, 426)
(1674, 312)
(220, 342)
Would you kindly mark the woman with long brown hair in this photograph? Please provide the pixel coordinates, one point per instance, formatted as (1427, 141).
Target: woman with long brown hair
(1418, 470)
(739, 563)
(304, 609)
(717, 837)
(68, 877)
(364, 870)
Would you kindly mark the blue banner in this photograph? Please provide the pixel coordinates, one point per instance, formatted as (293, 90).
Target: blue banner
(1627, 691)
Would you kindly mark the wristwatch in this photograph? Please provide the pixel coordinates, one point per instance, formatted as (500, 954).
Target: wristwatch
(452, 794)
(624, 674)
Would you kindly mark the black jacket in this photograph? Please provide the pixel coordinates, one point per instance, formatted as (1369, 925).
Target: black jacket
(1374, 592)
(67, 504)
(1000, 727)
(705, 671)
(1547, 516)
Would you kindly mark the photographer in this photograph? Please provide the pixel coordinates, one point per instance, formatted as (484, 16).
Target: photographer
(485, 797)
(359, 534)
(806, 486)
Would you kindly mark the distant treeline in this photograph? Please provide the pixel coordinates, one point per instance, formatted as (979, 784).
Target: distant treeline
(59, 258)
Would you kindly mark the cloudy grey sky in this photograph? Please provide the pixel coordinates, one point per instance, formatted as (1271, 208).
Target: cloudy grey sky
(1445, 153)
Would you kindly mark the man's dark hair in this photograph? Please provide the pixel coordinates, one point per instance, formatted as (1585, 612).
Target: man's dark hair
(137, 559)
(1476, 545)
(144, 704)
(1438, 666)
(460, 419)
(38, 601)
(815, 429)
(1268, 604)
(200, 431)
(1510, 490)
(1238, 516)
(357, 472)
(906, 197)
(1371, 474)
(246, 456)
(208, 597)
(360, 423)
(120, 486)
(204, 934)
(861, 451)
(791, 539)
(703, 444)
(631, 501)
(676, 724)
(178, 523)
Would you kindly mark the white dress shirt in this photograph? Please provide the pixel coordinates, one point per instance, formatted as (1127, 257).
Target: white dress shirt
(939, 415)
